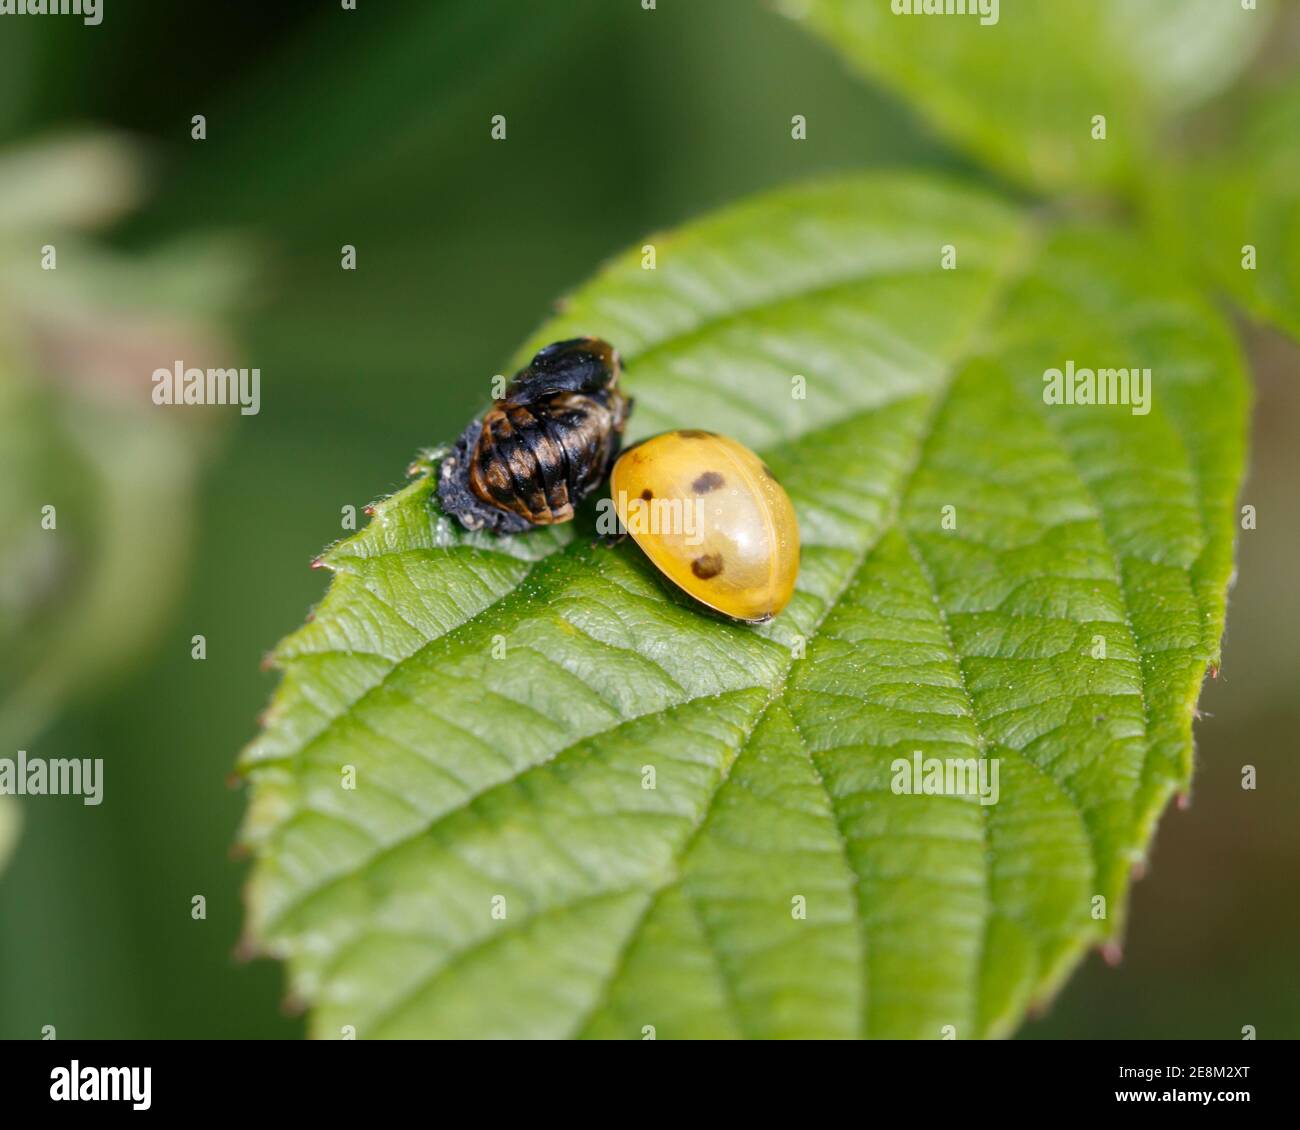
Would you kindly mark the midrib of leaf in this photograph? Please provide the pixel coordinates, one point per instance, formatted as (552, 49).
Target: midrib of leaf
(1003, 278)
(849, 533)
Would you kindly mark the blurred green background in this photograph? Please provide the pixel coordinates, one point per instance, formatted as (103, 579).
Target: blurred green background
(327, 127)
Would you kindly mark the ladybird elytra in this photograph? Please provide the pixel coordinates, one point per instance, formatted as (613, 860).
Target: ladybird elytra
(544, 446)
(711, 516)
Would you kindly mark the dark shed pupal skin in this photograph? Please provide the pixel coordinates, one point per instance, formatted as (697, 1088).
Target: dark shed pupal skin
(544, 446)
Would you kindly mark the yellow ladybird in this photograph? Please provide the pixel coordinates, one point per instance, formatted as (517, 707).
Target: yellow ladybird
(713, 519)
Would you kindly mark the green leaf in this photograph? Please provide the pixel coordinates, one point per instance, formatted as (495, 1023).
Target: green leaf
(1238, 205)
(500, 700)
(1020, 94)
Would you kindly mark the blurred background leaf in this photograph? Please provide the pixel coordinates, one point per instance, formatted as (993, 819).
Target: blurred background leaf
(84, 586)
(1021, 93)
(1239, 187)
(10, 822)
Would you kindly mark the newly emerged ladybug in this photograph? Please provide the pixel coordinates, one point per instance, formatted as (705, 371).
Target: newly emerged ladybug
(544, 446)
(713, 519)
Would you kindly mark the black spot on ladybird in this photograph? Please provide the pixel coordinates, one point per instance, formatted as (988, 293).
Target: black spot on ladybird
(707, 566)
(647, 494)
(708, 481)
